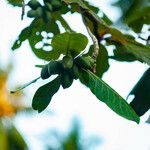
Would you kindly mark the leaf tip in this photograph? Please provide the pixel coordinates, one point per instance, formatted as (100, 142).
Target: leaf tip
(138, 120)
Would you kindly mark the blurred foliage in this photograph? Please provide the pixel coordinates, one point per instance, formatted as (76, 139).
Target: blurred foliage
(136, 13)
(73, 140)
(10, 138)
(6, 108)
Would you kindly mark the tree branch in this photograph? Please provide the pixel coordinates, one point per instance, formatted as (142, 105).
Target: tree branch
(94, 39)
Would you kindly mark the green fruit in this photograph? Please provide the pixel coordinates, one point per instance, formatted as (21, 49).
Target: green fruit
(56, 4)
(47, 16)
(85, 62)
(35, 13)
(75, 71)
(48, 6)
(44, 72)
(39, 11)
(34, 4)
(32, 13)
(48, 1)
(54, 67)
(66, 80)
(67, 62)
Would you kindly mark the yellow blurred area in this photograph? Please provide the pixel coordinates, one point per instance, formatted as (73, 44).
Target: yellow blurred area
(6, 108)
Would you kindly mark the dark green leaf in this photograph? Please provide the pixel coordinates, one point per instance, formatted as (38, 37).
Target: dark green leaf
(44, 94)
(107, 95)
(141, 92)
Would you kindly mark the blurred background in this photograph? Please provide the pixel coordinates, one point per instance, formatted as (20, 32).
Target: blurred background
(75, 119)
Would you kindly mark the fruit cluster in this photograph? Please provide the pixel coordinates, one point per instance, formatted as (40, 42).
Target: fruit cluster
(67, 68)
(37, 10)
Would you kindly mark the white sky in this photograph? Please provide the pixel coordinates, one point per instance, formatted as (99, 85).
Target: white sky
(116, 133)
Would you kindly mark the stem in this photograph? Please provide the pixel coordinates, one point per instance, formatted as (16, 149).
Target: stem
(25, 85)
(94, 39)
(23, 9)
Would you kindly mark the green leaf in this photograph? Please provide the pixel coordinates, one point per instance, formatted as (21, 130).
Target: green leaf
(86, 62)
(140, 51)
(67, 42)
(25, 34)
(15, 2)
(121, 54)
(107, 95)
(102, 64)
(41, 53)
(33, 33)
(90, 6)
(106, 19)
(44, 94)
(141, 92)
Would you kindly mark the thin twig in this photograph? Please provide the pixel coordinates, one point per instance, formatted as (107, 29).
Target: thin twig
(94, 39)
(25, 85)
(148, 41)
(23, 9)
